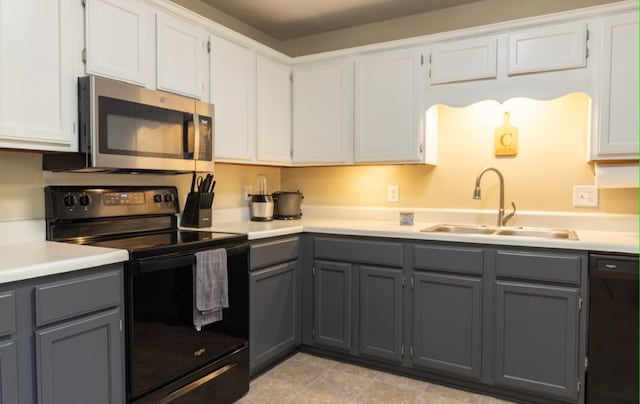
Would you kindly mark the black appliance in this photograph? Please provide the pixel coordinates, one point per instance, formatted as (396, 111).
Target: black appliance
(167, 359)
(612, 349)
(127, 128)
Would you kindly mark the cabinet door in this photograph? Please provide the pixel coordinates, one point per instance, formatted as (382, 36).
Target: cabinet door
(388, 107)
(8, 373)
(555, 47)
(81, 361)
(233, 94)
(120, 41)
(274, 325)
(273, 111)
(537, 338)
(470, 59)
(332, 294)
(323, 113)
(618, 126)
(381, 312)
(40, 49)
(181, 61)
(447, 323)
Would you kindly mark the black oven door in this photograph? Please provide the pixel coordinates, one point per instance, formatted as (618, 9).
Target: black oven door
(163, 345)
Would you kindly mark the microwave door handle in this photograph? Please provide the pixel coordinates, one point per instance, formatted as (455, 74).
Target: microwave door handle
(196, 135)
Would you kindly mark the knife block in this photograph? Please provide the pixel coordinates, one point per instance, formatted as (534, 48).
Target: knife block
(197, 210)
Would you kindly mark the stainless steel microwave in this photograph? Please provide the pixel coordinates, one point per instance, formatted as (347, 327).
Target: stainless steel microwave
(126, 128)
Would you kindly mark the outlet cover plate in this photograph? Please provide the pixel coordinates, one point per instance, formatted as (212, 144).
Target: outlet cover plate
(392, 193)
(585, 196)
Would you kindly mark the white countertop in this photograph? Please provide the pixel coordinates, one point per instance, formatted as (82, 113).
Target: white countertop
(589, 240)
(605, 233)
(41, 258)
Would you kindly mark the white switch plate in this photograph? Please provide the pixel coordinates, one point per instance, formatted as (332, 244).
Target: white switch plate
(585, 196)
(392, 193)
(247, 192)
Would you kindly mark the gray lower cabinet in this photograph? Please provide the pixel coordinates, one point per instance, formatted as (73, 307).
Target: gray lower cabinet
(447, 323)
(537, 338)
(538, 321)
(8, 372)
(333, 296)
(381, 309)
(275, 301)
(447, 309)
(80, 361)
(65, 342)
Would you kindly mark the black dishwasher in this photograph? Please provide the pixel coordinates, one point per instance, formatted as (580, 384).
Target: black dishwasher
(612, 351)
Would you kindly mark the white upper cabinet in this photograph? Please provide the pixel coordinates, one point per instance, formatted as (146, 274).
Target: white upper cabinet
(273, 111)
(323, 113)
(40, 59)
(389, 115)
(617, 137)
(181, 62)
(469, 59)
(552, 47)
(120, 41)
(233, 94)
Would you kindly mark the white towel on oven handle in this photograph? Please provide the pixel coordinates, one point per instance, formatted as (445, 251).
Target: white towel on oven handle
(211, 287)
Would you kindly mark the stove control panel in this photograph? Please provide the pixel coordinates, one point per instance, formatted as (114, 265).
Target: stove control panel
(72, 202)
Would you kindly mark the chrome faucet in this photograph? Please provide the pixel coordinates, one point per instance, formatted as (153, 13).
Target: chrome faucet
(502, 219)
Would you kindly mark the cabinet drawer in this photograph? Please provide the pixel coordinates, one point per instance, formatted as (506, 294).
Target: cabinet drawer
(60, 300)
(359, 251)
(553, 267)
(273, 252)
(556, 47)
(7, 313)
(450, 259)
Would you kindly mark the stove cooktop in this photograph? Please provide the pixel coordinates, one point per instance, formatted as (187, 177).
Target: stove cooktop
(168, 242)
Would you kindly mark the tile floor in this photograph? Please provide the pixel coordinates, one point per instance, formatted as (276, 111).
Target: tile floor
(308, 379)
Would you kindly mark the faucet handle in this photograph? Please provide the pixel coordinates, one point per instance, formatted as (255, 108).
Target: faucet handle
(506, 218)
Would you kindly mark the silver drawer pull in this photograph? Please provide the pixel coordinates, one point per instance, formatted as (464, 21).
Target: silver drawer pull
(194, 385)
(611, 266)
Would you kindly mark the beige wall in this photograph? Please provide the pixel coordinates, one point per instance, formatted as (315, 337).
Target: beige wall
(551, 160)
(465, 16)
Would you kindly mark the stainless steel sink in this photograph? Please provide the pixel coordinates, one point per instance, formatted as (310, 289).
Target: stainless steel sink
(460, 229)
(540, 233)
(558, 234)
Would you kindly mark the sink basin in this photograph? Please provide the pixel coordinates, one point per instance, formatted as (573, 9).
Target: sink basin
(541, 233)
(460, 229)
(558, 234)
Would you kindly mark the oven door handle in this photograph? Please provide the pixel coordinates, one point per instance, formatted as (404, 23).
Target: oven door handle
(170, 262)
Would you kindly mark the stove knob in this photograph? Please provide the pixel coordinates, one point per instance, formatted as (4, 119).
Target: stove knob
(169, 198)
(69, 200)
(84, 200)
(157, 198)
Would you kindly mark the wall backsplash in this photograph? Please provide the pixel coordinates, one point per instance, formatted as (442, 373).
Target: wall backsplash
(550, 161)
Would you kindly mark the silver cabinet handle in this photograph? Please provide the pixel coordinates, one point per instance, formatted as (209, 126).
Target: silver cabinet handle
(195, 384)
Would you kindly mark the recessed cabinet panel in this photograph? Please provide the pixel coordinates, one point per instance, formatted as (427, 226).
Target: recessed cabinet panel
(8, 372)
(323, 113)
(381, 312)
(388, 107)
(556, 47)
(120, 41)
(447, 323)
(332, 292)
(181, 55)
(233, 94)
(536, 338)
(273, 111)
(471, 59)
(39, 53)
(618, 137)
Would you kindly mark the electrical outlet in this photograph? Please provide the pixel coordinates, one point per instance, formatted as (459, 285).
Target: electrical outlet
(392, 193)
(585, 196)
(247, 192)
